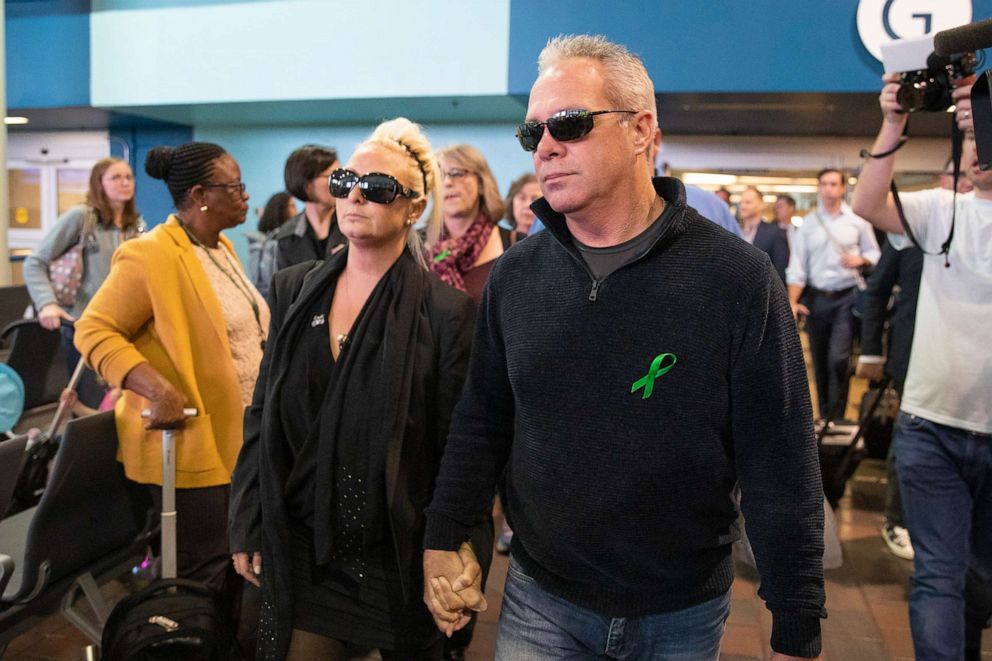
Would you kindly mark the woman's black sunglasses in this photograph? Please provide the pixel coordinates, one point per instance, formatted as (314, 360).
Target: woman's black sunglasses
(375, 186)
(563, 126)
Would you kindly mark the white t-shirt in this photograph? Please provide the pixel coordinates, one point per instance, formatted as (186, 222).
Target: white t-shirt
(950, 368)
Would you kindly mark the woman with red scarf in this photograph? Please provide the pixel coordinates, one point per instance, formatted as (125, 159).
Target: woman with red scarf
(470, 240)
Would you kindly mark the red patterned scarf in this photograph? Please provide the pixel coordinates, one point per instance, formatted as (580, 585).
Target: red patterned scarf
(450, 260)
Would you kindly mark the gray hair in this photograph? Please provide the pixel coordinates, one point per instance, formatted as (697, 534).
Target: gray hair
(628, 86)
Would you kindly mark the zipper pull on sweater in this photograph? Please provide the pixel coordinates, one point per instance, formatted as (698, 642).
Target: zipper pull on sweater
(594, 290)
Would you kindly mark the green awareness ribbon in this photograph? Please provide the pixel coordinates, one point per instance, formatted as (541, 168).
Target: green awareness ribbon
(647, 381)
(441, 255)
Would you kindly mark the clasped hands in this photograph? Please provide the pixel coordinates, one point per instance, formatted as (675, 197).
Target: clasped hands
(453, 587)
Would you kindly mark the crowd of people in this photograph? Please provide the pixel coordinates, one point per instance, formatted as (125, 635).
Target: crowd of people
(412, 343)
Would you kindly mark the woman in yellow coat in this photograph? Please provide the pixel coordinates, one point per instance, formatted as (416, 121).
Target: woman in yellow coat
(178, 324)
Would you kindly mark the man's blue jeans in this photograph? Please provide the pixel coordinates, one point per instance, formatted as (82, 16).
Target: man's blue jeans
(539, 626)
(945, 475)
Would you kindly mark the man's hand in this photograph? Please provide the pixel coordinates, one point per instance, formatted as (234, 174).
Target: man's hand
(51, 316)
(872, 371)
(892, 112)
(453, 587)
(849, 261)
(799, 310)
(962, 103)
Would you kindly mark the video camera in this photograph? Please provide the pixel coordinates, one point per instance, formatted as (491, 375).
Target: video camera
(965, 39)
(926, 78)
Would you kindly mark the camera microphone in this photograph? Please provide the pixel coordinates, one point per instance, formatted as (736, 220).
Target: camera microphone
(964, 39)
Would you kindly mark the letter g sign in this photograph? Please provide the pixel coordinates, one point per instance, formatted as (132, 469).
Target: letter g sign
(883, 21)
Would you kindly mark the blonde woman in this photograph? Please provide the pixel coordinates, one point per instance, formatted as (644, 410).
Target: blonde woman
(349, 419)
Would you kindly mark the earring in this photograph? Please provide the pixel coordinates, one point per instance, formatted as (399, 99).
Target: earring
(410, 221)
(203, 208)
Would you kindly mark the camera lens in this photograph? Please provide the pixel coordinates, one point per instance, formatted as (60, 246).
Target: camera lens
(911, 96)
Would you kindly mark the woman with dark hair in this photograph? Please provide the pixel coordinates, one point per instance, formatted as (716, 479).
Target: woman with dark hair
(470, 239)
(349, 420)
(280, 208)
(313, 233)
(177, 324)
(523, 191)
(261, 263)
(103, 222)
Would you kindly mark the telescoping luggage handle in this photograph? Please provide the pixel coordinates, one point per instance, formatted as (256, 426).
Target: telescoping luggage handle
(169, 497)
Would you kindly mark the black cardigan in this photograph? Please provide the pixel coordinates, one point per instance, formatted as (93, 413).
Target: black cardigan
(618, 415)
(295, 246)
(258, 520)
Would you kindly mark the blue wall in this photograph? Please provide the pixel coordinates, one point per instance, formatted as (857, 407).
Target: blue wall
(713, 46)
(48, 53)
(151, 196)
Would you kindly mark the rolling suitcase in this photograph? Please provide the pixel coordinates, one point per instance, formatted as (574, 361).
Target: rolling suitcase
(841, 447)
(172, 618)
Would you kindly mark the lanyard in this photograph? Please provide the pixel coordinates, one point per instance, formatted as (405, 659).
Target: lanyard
(238, 282)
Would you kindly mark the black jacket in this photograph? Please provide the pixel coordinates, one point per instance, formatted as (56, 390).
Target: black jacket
(295, 242)
(773, 240)
(258, 518)
(902, 268)
(618, 415)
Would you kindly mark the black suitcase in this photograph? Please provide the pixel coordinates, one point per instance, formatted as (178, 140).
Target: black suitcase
(172, 619)
(841, 447)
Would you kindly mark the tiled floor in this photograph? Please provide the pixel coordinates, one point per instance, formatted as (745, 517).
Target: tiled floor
(866, 599)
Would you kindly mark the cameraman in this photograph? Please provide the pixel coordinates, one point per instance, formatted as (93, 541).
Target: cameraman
(944, 431)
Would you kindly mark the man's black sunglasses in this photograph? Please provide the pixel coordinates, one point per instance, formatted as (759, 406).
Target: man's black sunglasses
(563, 126)
(375, 186)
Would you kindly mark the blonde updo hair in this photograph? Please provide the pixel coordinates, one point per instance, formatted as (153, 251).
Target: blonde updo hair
(469, 158)
(407, 139)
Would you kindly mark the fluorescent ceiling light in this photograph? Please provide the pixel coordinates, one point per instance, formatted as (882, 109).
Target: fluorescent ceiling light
(709, 178)
(15, 120)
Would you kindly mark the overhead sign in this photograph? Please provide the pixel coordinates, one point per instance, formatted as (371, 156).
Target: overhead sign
(884, 21)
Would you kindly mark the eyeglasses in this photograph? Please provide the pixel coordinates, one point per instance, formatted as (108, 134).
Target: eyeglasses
(232, 186)
(563, 126)
(455, 173)
(374, 186)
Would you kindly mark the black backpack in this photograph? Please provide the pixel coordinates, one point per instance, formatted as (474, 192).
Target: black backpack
(173, 619)
(33, 478)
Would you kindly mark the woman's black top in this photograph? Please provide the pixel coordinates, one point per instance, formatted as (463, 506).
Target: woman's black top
(385, 411)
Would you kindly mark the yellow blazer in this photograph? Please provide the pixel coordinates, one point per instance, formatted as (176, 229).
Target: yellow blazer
(157, 306)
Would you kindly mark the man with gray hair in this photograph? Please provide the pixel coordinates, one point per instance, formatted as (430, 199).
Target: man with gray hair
(615, 416)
